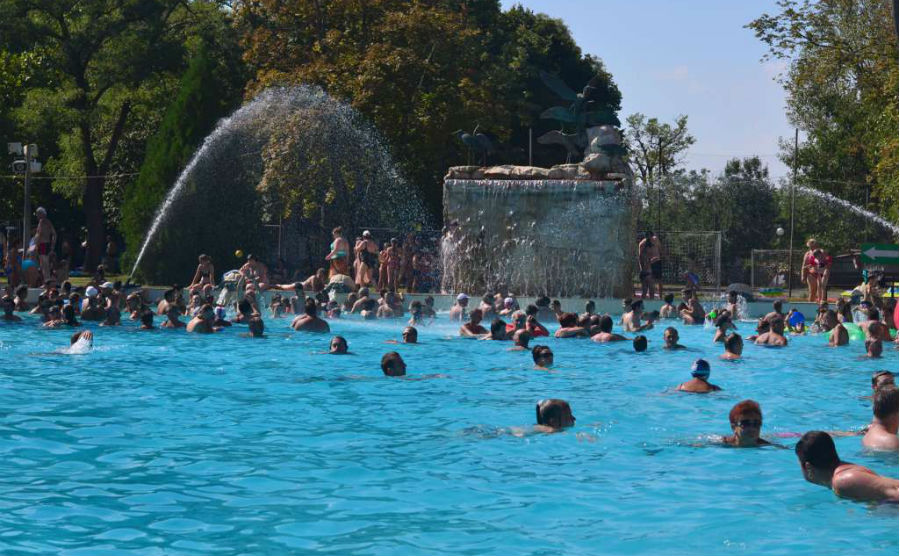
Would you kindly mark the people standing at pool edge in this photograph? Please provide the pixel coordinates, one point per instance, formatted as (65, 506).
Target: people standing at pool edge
(650, 264)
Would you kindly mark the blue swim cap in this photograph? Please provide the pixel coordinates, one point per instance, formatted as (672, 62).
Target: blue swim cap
(700, 368)
(796, 318)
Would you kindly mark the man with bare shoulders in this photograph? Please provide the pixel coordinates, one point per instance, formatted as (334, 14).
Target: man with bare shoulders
(44, 241)
(882, 432)
(670, 339)
(691, 310)
(838, 336)
(309, 321)
(699, 383)
(606, 334)
(822, 466)
(650, 264)
(458, 311)
(473, 328)
(631, 321)
(203, 322)
(874, 328)
(774, 337)
(746, 423)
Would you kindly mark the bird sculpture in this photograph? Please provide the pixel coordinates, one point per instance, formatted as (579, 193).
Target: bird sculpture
(480, 143)
(577, 115)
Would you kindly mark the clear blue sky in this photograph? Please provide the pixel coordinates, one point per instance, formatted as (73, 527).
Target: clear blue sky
(692, 58)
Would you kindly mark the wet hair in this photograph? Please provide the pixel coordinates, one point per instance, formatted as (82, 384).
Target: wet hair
(639, 343)
(763, 326)
(556, 303)
(568, 320)
(310, 307)
(732, 295)
(498, 327)
(75, 337)
(584, 321)
(521, 338)
(256, 326)
(542, 301)
(884, 401)
(777, 305)
(635, 305)
(605, 324)
(873, 314)
(389, 364)
(874, 346)
(722, 320)
(22, 291)
(886, 377)
(429, 300)
(488, 298)
(244, 306)
(340, 339)
(537, 352)
(627, 302)
(531, 310)
(669, 298)
(68, 313)
(590, 306)
(552, 412)
(743, 408)
(732, 341)
(147, 318)
(817, 449)
(670, 329)
(411, 330)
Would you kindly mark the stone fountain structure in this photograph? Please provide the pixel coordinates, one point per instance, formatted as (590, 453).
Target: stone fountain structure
(567, 230)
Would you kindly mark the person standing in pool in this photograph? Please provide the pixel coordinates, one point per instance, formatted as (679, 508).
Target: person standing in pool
(699, 384)
(309, 321)
(473, 328)
(339, 257)
(734, 347)
(606, 334)
(667, 311)
(337, 346)
(774, 337)
(692, 311)
(746, 422)
(882, 432)
(670, 339)
(650, 262)
(631, 321)
(821, 465)
(542, 357)
(458, 311)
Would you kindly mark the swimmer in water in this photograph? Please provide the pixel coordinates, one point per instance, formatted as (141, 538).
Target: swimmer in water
(606, 334)
(203, 322)
(667, 311)
(838, 336)
(774, 337)
(874, 348)
(458, 311)
(699, 383)
(553, 415)
(84, 336)
(9, 306)
(542, 357)
(734, 347)
(256, 328)
(172, 317)
(309, 320)
(568, 327)
(409, 336)
(882, 378)
(147, 320)
(670, 338)
(882, 432)
(498, 331)
(723, 325)
(821, 465)
(520, 338)
(631, 321)
(338, 346)
(639, 343)
(473, 328)
(746, 423)
(392, 364)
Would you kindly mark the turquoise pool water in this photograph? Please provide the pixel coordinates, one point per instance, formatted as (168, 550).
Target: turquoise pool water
(168, 443)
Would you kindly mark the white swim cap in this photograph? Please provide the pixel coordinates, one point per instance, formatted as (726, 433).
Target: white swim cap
(91, 291)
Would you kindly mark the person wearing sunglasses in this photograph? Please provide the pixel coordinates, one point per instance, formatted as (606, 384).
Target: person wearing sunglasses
(746, 423)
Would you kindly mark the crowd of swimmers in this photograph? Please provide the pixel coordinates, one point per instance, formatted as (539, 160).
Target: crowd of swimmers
(196, 309)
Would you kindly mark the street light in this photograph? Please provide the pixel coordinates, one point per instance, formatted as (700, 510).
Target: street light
(26, 166)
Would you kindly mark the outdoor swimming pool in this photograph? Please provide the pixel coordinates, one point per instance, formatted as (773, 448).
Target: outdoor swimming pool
(168, 443)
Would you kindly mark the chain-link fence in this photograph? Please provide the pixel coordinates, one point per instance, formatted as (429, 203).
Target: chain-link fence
(690, 258)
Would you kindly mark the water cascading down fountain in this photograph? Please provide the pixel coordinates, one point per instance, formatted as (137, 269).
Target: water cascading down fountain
(567, 230)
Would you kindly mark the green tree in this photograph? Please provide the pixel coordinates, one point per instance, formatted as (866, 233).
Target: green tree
(204, 95)
(420, 70)
(94, 56)
(842, 92)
